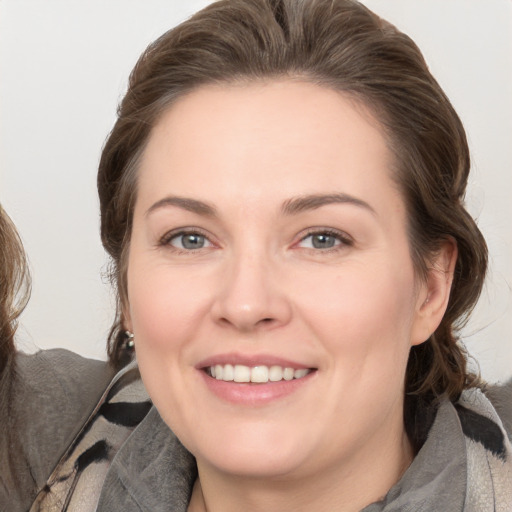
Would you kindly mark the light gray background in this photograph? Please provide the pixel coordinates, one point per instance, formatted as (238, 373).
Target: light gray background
(63, 68)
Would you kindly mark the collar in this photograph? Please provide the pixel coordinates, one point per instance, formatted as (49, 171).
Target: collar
(152, 472)
(436, 479)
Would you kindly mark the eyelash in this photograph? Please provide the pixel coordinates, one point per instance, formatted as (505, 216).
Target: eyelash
(343, 239)
(165, 241)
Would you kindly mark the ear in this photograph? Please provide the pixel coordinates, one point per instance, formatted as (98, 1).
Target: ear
(434, 292)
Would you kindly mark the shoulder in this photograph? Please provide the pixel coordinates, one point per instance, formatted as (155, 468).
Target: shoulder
(49, 396)
(57, 388)
(501, 398)
(485, 421)
(121, 408)
(485, 415)
(63, 372)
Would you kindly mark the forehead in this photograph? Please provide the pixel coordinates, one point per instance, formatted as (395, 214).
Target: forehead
(270, 139)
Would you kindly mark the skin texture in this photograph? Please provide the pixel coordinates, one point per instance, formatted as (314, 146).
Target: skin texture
(258, 288)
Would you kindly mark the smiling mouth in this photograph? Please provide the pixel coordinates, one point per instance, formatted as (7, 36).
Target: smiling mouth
(255, 374)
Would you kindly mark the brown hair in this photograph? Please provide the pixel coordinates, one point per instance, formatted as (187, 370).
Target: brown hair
(342, 45)
(14, 286)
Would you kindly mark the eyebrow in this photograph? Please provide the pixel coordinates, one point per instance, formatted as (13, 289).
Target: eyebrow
(186, 203)
(291, 206)
(314, 201)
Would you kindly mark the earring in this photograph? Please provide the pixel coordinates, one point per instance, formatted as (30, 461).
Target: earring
(129, 342)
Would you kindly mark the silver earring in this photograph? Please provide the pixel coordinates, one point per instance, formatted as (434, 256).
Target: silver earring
(129, 342)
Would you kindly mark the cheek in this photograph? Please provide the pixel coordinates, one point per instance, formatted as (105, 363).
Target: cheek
(163, 307)
(364, 323)
(364, 314)
(163, 315)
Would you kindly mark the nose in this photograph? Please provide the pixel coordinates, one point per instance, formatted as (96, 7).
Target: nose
(252, 295)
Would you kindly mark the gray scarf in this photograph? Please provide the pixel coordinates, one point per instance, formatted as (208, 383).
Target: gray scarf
(465, 464)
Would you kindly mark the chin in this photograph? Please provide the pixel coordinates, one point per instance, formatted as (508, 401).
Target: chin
(256, 465)
(261, 453)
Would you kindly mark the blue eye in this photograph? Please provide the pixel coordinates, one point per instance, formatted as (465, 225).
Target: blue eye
(323, 240)
(189, 241)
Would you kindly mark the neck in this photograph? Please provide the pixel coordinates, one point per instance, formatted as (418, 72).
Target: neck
(346, 487)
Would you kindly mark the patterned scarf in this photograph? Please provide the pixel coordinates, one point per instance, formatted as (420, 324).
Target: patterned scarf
(75, 483)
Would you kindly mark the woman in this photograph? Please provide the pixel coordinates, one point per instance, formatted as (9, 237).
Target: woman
(21, 466)
(60, 386)
(82, 412)
(282, 198)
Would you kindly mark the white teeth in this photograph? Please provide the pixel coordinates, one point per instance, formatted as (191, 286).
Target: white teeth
(257, 374)
(228, 373)
(298, 374)
(288, 374)
(242, 373)
(275, 373)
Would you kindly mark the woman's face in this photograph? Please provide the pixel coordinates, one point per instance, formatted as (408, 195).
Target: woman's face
(269, 243)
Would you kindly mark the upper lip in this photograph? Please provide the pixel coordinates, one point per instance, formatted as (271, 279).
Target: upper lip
(251, 360)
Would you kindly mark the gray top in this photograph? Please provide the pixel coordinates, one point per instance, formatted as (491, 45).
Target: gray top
(45, 399)
(464, 465)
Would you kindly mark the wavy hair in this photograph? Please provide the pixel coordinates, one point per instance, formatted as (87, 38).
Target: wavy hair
(14, 286)
(342, 45)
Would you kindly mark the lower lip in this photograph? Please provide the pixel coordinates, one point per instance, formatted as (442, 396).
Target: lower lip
(252, 394)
